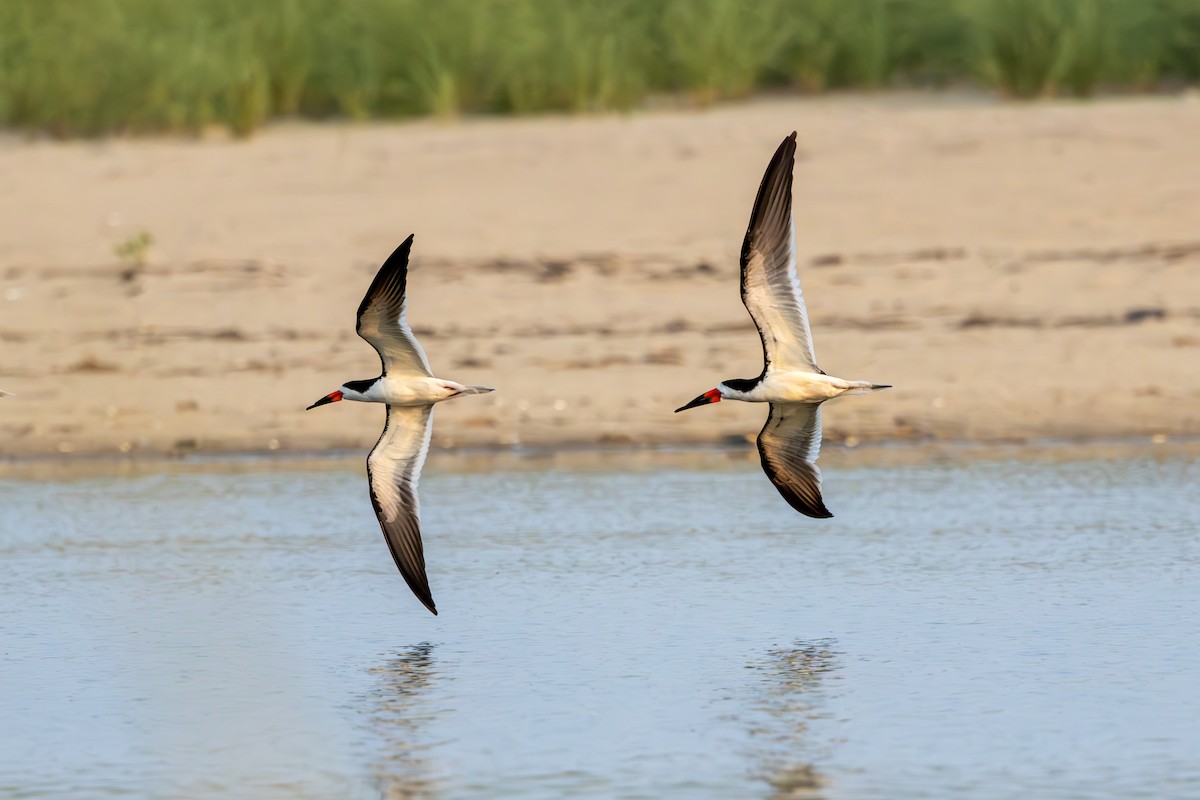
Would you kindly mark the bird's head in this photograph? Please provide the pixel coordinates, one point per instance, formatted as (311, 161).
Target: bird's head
(350, 390)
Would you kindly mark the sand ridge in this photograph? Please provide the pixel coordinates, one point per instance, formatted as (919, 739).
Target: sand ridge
(1016, 271)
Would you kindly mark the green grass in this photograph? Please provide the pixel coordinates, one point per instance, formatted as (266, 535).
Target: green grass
(93, 67)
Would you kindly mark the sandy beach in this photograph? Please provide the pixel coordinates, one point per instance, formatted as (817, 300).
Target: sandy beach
(1017, 271)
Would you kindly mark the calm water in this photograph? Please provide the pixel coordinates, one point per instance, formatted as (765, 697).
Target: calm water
(992, 630)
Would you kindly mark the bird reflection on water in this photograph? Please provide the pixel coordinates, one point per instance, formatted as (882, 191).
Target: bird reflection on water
(794, 693)
(400, 715)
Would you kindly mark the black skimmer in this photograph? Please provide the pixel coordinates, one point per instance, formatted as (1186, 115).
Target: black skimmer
(409, 390)
(790, 380)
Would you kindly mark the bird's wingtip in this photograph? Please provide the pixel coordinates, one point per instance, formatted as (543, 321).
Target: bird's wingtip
(423, 594)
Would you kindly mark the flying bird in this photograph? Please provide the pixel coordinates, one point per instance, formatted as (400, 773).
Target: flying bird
(410, 391)
(790, 381)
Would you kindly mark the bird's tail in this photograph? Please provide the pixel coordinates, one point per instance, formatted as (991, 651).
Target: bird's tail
(478, 390)
(865, 387)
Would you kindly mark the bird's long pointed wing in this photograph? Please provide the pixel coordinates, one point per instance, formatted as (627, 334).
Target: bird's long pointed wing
(381, 318)
(393, 470)
(788, 445)
(770, 289)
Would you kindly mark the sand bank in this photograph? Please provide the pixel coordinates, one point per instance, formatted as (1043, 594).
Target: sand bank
(1016, 271)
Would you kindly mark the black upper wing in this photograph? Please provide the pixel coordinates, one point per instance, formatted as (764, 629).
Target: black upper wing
(382, 317)
(770, 289)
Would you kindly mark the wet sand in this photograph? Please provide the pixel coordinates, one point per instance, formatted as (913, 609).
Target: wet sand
(1016, 271)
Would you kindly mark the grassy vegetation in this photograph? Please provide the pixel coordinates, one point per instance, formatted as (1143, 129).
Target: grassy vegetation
(85, 67)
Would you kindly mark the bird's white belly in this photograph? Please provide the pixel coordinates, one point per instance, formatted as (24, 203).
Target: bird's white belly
(409, 391)
(798, 387)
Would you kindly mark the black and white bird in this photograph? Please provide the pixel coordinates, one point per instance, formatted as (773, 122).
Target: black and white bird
(410, 391)
(790, 380)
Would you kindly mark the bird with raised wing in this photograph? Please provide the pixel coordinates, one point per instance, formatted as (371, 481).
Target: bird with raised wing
(409, 390)
(790, 381)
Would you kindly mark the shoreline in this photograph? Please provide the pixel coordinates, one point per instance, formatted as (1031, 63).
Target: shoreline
(591, 457)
